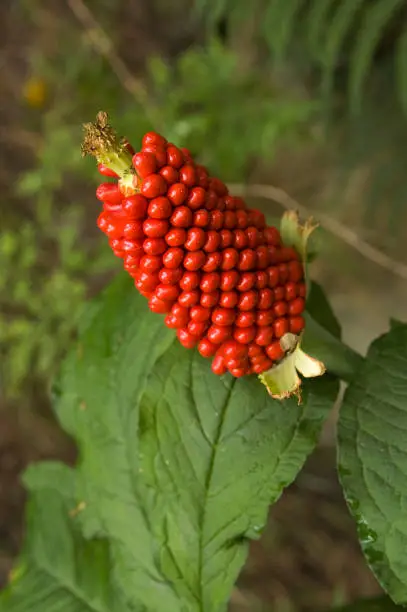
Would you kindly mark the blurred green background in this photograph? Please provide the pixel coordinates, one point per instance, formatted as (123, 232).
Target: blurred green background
(309, 96)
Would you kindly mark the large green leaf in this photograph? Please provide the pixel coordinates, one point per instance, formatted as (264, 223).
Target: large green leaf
(373, 458)
(177, 466)
(59, 571)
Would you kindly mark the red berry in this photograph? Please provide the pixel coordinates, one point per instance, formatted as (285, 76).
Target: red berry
(196, 238)
(218, 366)
(295, 271)
(200, 218)
(228, 299)
(197, 329)
(302, 290)
(283, 272)
(234, 350)
(264, 336)
(177, 194)
(290, 291)
(187, 154)
(180, 315)
(150, 263)
(211, 200)
(274, 277)
(253, 237)
(167, 292)
(247, 259)
(264, 365)
(213, 262)
(186, 339)
(265, 298)
(280, 308)
(257, 219)
(229, 219)
(146, 281)
(263, 258)
(264, 317)
(226, 238)
(212, 241)
(153, 186)
(194, 261)
(106, 171)
(176, 237)
(135, 207)
(209, 300)
(219, 334)
(239, 239)
(173, 257)
(187, 175)
(229, 280)
(216, 220)
(210, 282)
(133, 230)
(230, 257)
(238, 372)
(144, 163)
(296, 324)
(154, 246)
(262, 279)
(132, 246)
(223, 316)
(274, 351)
(155, 228)
(280, 327)
(181, 217)
(158, 306)
(175, 157)
(278, 293)
(196, 198)
(272, 236)
(245, 319)
(152, 138)
(199, 313)
(159, 152)
(109, 192)
(159, 208)
(170, 276)
(241, 220)
(202, 176)
(207, 348)
(247, 300)
(244, 335)
(218, 186)
(189, 298)
(169, 174)
(189, 281)
(246, 281)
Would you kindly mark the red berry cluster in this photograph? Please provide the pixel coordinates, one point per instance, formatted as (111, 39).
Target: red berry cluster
(223, 278)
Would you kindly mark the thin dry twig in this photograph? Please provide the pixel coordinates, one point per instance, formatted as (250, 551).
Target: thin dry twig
(104, 46)
(333, 226)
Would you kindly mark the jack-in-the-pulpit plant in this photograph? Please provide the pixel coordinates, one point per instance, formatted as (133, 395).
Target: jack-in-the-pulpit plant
(181, 452)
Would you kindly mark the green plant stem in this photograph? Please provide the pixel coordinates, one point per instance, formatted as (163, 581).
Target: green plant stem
(339, 358)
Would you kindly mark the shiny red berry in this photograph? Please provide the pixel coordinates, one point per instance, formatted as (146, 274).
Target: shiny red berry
(223, 316)
(177, 193)
(239, 239)
(280, 308)
(213, 262)
(241, 220)
(209, 300)
(247, 300)
(154, 246)
(169, 174)
(152, 138)
(229, 219)
(212, 241)
(245, 335)
(173, 257)
(210, 282)
(106, 171)
(280, 327)
(189, 298)
(206, 348)
(226, 238)
(228, 299)
(264, 317)
(159, 152)
(196, 328)
(170, 276)
(219, 334)
(187, 175)
(295, 271)
(167, 292)
(159, 208)
(229, 280)
(247, 259)
(201, 218)
(150, 263)
(274, 351)
(196, 198)
(296, 324)
(175, 157)
(265, 298)
(195, 260)
(186, 339)
(153, 186)
(181, 217)
(211, 200)
(135, 207)
(230, 257)
(290, 291)
(272, 236)
(180, 315)
(273, 276)
(264, 336)
(245, 319)
(144, 163)
(109, 192)
(190, 280)
(246, 282)
(176, 236)
(155, 228)
(196, 238)
(218, 365)
(199, 313)
(158, 306)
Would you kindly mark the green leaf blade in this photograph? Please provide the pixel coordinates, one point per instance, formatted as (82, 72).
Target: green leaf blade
(373, 458)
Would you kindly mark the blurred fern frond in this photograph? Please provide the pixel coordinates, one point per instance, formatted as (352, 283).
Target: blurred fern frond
(334, 34)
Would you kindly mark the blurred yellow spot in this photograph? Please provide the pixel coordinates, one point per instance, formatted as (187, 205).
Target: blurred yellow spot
(35, 92)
